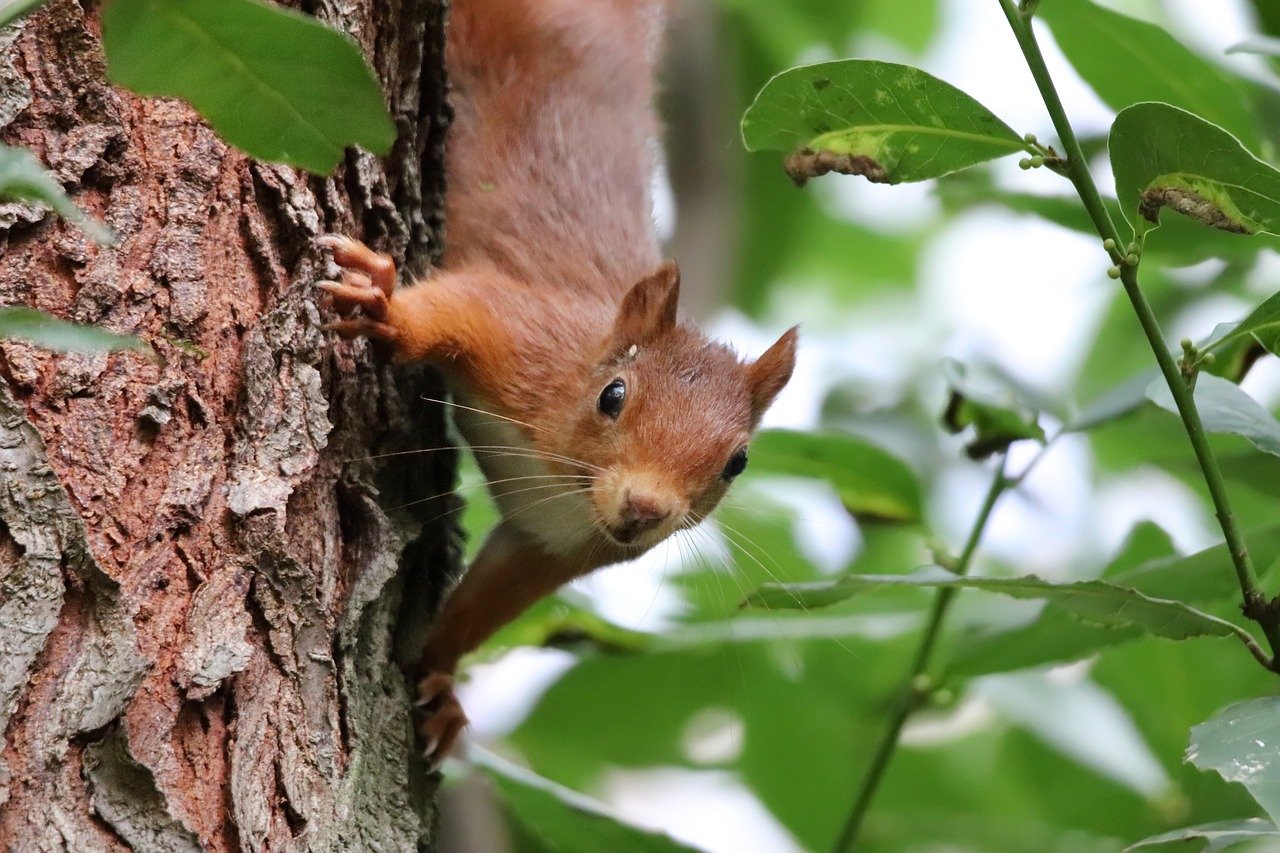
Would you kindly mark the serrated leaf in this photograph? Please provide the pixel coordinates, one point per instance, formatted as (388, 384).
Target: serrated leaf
(1128, 61)
(1225, 408)
(1218, 835)
(39, 328)
(1242, 744)
(22, 178)
(12, 10)
(1098, 602)
(871, 483)
(998, 413)
(1163, 156)
(275, 83)
(563, 819)
(1202, 577)
(889, 123)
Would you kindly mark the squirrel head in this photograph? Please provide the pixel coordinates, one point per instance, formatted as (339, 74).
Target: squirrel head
(666, 415)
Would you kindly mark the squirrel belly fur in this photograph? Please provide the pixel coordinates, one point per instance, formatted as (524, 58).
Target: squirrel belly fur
(602, 423)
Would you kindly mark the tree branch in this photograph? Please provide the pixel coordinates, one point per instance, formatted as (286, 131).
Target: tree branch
(1077, 170)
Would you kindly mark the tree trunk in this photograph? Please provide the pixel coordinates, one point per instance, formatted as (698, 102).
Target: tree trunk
(207, 586)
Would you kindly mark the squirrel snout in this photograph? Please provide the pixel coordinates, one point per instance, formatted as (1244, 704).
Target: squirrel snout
(643, 509)
(639, 513)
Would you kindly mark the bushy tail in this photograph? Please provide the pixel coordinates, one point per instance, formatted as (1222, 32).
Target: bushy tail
(550, 156)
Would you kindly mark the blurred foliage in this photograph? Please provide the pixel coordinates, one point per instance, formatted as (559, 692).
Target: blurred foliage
(1005, 751)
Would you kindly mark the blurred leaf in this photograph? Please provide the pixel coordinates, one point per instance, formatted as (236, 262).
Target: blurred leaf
(1054, 635)
(1264, 45)
(1163, 156)
(1203, 576)
(996, 412)
(563, 819)
(555, 622)
(1225, 408)
(41, 329)
(1097, 602)
(1240, 743)
(1128, 61)
(1117, 403)
(1258, 471)
(22, 178)
(871, 483)
(12, 10)
(1262, 325)
(1220, 834)
(890, 123)
(275, 83)
(1179, 241)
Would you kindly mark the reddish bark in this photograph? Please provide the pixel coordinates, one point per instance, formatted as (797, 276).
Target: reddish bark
(201, 572)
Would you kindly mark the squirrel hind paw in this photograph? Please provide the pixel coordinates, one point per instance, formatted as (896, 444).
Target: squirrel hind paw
(442, 719)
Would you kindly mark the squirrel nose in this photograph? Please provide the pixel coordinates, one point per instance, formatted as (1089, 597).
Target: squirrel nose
(643, 511)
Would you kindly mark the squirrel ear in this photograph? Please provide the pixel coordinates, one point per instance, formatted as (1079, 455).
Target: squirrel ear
(649, 308)
(769, 373)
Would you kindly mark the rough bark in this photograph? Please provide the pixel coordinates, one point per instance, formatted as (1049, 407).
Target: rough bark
(207, 586)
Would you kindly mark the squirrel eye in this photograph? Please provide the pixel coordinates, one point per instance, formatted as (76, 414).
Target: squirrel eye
(737, 464)
(612, 398)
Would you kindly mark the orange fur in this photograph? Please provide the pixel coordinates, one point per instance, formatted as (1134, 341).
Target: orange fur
(553, 288)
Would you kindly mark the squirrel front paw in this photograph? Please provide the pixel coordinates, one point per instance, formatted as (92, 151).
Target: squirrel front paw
(442, 719)
(368, 278)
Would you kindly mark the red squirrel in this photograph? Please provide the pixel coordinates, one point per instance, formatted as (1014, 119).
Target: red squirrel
(603, 424)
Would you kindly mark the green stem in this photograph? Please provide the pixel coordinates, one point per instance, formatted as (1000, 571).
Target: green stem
(1255, 604)
(918, 688)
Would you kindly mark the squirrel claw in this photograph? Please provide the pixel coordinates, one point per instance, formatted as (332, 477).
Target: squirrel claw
(363, 327)
(354, 292)
(356, 257)
(442, 719)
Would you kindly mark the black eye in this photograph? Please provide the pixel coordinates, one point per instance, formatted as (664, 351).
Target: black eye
(737, 464)
(612, 398)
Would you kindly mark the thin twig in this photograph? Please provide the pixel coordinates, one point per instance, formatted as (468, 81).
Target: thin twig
(918, 687)
(1256, 606)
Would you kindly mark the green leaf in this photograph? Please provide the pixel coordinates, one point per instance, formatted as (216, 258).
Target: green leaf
(871, 483)
(564, 819)
(1204, 576)
(1096, 602)
(1262, 325)
(1242, 743)
(275, 83)
(12, 10)
(998, 413)
(39, 328)
(1128, 61)
(887, 122)
(1220, 834)
(22, 178)
(1054, 635)
(1163, 156)
(1225, 408)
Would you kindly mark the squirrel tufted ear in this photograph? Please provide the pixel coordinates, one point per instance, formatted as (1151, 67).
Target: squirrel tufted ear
(769, 373)
(649, 308)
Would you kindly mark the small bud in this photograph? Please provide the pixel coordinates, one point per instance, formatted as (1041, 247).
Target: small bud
(1024, 163)
(1113, 272)
(944, 697)
(1188, 345)
(1209, 358)
(1030, 139)
(1131, 259)
(1109, 244)
(922, 684)
(1037, 161)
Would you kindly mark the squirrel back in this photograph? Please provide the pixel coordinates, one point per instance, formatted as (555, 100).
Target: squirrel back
(551, 154)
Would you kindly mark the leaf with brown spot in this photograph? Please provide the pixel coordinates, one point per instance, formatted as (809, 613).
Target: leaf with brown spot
(889, 123)
(1164, 156)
